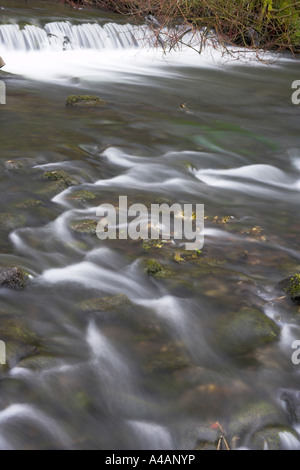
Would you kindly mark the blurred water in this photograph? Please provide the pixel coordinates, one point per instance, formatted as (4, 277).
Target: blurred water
(142, 370)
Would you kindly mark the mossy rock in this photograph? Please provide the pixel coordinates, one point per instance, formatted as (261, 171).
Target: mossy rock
(257, 415)
(155, 269)
(61, 177)
(269, 438)
(85, 101)
(244, 331)
(85, 226)
(291, 287)
(13, 278)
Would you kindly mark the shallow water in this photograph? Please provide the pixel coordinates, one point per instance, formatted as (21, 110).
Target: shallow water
(143, 371)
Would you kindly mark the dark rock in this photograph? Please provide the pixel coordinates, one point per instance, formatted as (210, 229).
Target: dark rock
(291, 286)
(12, 277)
(292, 401)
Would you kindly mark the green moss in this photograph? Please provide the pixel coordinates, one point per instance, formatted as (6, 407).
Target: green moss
(61, 177)
(84, 101)
(155, 269)
(85, 226)
(292, 288)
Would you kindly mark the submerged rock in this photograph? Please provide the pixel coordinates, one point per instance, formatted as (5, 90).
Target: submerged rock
(171, 357)
(85, 101)
(13, 278)
(61, 177)
(30, 204)
(19, 164)
(85, 226)
(9, 221)
(21, 342)
(202, 437)
(105, 304)
(81, 196)
(39, 362)
(244, 331)
(256, 415)
(291, 287)
(155, 269)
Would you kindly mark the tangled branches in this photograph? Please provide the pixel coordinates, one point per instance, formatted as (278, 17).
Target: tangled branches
(255, 24)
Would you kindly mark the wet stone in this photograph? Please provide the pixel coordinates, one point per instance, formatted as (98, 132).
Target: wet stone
(13, 278)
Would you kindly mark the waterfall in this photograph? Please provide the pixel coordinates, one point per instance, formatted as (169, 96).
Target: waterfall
(58, 36)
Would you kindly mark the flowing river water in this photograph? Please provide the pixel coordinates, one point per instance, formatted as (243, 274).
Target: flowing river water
(100, 354)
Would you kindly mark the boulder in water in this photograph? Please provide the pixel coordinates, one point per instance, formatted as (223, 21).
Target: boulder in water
(13, 278)
(291, 286)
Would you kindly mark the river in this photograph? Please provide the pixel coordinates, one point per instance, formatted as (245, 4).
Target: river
(100, 354)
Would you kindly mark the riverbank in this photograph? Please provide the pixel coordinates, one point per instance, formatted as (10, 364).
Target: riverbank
(264, 25)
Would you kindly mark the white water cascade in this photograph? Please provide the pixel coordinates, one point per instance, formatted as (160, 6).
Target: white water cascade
(101, 52)
(58, 36)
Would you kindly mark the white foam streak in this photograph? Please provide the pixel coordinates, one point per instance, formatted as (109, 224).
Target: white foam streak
(151, 435)
(268, 179)
(23, 411)
(93, 276)
(289, 441)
